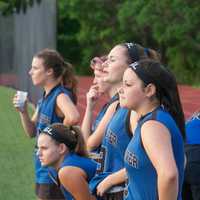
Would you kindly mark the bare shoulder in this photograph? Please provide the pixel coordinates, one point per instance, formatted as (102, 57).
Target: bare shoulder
(72, 172)
(63, 96)
(153, 132)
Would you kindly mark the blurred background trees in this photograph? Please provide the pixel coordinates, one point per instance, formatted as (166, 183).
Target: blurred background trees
(169, 26)
(11, 6)
(92, 27)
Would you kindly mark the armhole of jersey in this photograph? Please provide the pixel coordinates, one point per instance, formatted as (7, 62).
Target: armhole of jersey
(113, 99)
(55, 105)
(127, 125)
(54, 179)
(117, 107)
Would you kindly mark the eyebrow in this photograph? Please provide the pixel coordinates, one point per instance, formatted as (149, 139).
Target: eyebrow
(113, 57)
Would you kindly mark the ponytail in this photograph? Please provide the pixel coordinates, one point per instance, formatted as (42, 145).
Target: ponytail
(80, 147)
(69, 80)
(152, 54)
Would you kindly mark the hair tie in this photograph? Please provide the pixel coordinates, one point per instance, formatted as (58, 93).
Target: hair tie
(133, 51)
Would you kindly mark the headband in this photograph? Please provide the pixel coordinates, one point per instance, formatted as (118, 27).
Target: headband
(140, 73)
(59, 138)
(133, 51)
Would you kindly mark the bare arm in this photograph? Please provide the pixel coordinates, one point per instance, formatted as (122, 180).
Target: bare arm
(74, 181)
(87, 123)
(111, 180)
(156, 138)
(96, 138)
(66, 108)
(91, 97)
(29, 124)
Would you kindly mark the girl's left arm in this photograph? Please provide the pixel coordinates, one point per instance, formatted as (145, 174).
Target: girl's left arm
(74, 181)
(67, 109)
(111, 180)
(156, 140)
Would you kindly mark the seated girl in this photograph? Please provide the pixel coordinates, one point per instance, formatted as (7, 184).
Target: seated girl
(62, 147)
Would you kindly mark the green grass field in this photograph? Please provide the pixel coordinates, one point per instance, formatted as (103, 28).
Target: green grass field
(16, 153)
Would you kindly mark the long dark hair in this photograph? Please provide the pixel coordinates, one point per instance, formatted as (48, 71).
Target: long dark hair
(71, 136)
(150, 71)
(52, 59)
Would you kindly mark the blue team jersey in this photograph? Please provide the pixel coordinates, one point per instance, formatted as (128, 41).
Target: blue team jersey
(193, 130)
(86, 164)
(115, 141)
(103, 111)
(142, 177)
(100, 116)
(47, 116)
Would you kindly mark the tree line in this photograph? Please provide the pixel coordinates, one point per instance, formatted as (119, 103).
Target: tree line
(92, 27)
(169, 26)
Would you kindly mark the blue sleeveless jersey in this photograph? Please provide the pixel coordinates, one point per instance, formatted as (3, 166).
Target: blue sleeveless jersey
(193, 130)
(103, 111)
(113, 147)
(115, 142)
(142, 177)
(100, 116)
(86, 164)
(47, 116)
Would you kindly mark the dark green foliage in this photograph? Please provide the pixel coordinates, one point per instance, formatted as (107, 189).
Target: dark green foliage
(170, 26)
(11, 6)
(67, 41)
(92, 27)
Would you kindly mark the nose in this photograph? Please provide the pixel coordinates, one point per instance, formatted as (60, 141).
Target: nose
(120, 90)
(105, 64)
(38, 152)
(30, 72)
(95, 80)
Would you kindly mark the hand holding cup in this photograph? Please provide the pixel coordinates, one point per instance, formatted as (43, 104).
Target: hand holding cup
(19, 100)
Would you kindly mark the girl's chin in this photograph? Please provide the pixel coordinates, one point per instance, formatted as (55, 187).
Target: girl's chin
(42, 163)
(124, 105)
(36, 83)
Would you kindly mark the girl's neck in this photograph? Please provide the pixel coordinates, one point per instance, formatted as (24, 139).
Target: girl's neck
(114, 89)
(50, 85)
(147, 108)
(57, 165)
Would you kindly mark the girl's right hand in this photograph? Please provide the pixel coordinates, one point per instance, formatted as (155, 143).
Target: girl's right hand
(92, 96)
(20, 106)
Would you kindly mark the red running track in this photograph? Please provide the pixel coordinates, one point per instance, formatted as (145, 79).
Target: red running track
(190, 97)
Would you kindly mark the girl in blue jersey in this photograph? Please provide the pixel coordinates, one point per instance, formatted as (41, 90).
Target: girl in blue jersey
(191, 186)
(55, 76)
(62, 147)
(96, 91)
(115, 137)
(154, 158)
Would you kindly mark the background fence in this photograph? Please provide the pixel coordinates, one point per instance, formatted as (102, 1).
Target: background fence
(21, 36)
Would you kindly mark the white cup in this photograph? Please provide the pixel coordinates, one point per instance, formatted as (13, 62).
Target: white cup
(21, 98)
